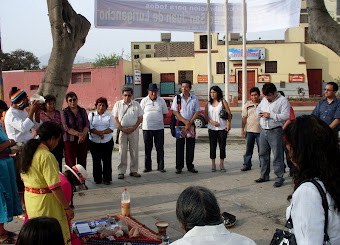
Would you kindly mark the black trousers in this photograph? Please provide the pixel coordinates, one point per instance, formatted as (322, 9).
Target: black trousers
(219, 136)
(190, 149)
(102, 152)
(158, 137)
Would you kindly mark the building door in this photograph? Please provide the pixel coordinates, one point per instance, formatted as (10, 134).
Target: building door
(250, 83)
(146, 80)
(314, 77)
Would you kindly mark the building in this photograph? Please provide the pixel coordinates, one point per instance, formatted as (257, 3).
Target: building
(293, 64)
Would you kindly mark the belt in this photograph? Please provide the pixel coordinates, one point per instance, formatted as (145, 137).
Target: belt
(38, 190)
(273, 128)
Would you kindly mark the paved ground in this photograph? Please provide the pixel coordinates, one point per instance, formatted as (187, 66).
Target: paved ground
(260, 208)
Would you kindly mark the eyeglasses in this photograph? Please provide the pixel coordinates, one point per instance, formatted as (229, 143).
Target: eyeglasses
(127, 95)
(72, 100)
(330, 90)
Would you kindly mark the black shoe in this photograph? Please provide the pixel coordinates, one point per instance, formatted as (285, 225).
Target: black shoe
(193, 170)
(162, 170)
(178, 171)
(74, 189)
(147, 170)
(278, 184)
(107, 182)
(86, 188)
(246, 168)
(261, 180)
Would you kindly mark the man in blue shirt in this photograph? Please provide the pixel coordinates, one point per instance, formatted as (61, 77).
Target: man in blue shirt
(189, 111)
(328, 109)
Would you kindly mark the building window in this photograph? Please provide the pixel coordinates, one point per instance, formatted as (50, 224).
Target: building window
(271, 67)
(148, 55)
(136, 46)
(303, 18)
(203, 41)
(220, 67)
(136, 56)
(34, 87)
(148, 46)
(81, 78)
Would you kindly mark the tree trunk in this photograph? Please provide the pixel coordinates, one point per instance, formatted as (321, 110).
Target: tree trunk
(322, 28)
(69, 31)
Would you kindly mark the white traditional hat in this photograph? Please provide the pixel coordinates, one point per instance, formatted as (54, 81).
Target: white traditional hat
(78, 171)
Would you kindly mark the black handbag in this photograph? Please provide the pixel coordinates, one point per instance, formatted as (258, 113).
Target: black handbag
(282, 237)
(223, 113)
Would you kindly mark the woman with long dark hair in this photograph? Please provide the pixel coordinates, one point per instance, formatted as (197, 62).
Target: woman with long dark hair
(40, 173)
(218, 128)
(51, 114)
(314, 150)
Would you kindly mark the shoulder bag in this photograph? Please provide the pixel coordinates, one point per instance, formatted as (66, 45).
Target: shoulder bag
(223, 113)
(282, 237)
(118, 131)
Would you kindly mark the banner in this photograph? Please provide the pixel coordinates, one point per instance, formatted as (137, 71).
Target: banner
(252, 54)
(262, 15)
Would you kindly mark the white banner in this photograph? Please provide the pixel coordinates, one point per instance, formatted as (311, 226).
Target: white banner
(262, 15)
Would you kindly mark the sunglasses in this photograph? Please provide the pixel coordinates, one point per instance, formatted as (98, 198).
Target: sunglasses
(127, 95)
(72, 100)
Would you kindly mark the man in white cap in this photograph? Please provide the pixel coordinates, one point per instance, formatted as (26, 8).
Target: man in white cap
(155, 110)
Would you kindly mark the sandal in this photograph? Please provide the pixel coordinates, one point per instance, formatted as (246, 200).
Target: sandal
(223, 170)
(213, 170)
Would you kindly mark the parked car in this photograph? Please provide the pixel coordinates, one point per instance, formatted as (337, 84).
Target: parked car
(200, 121)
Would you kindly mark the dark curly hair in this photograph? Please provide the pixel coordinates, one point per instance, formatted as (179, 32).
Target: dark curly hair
(101, 100)
(46, 131)
(316, 152)
(219, 94)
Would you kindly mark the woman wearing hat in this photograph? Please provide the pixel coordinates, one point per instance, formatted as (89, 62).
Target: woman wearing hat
(40, 173)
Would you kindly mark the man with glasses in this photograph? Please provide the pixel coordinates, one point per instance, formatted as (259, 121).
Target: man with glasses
(328, 108)
(128, 115)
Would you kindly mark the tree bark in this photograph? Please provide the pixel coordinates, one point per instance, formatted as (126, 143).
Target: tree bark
(69, 31)
(322, 28)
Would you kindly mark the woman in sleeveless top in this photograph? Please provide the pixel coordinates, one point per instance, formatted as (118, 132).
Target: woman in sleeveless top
(218, 128)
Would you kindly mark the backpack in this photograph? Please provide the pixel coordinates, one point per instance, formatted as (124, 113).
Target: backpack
(173, 120)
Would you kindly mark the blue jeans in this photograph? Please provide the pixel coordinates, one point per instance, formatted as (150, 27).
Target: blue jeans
(271, 140)
(250, 139)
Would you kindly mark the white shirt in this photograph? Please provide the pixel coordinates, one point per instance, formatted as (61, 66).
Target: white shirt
(131, 116)
(153, 113)
(214, 114)
(212, 235)
(279, 110)
(100, 123)
(188, 108)
(18, 125)
(308, 216)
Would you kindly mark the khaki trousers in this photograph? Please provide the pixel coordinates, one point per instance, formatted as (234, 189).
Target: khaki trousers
(128, 141)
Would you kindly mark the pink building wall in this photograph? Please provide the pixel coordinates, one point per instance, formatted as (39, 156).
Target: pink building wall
(105, 82)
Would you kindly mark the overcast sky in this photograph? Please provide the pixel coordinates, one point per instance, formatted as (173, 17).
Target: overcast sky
(25, 25)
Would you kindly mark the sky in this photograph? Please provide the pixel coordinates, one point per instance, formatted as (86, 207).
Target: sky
(25, 25)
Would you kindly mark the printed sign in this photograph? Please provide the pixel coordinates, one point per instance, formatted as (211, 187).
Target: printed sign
(232, 79)
(252, 54)
(296, 78)
(138, 77)
(263, 78)
(202, 78)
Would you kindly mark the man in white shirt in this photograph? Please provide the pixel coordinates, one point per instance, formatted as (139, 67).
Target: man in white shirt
(155, 110)
(128, 115)
(273, 111)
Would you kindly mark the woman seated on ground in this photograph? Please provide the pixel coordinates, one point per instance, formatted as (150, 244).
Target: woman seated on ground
(40, 173)
(200, 217)
(314, 150)
(50, 114)
(41, 231)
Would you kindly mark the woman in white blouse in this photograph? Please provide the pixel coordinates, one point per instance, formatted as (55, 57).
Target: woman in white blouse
(218, 128)
(314, 150)
(101, 142)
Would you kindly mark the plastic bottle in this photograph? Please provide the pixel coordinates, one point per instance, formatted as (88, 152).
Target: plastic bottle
(125, 203)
